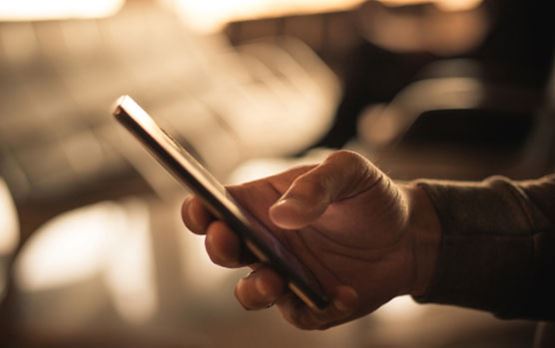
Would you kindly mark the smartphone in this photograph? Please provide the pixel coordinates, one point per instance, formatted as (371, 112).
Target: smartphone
(259, 240)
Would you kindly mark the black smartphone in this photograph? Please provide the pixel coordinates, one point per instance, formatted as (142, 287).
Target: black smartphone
(259, 240)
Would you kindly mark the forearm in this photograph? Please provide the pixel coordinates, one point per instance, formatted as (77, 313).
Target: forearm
(497, 247)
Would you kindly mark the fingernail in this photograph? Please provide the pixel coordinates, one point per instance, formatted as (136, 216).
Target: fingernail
(340, 306)
(240, 284)
(262, 288)
(192, 216)
(290, 213)
(289, 203)
(345, 299)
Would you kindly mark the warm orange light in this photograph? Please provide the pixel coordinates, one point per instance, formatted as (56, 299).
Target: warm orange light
(9, 226)
(446, 5)
(71, 247)
(107, 239)
(400, 309)
(212, 15)
(9, 231)
(22, 10)
(129, 273)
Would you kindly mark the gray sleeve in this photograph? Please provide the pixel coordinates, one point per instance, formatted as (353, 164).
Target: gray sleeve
(498, 246)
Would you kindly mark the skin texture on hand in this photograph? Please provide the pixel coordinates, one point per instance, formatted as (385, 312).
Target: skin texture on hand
(357, 231)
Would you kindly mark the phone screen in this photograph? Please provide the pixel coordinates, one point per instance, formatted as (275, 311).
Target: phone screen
(257, 237)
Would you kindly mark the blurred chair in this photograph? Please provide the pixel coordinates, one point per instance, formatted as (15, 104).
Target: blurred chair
(426, 26)
(60, 77)
(458, 126)
(68, 264)
(99, 266)
(90, 276)
(510, 40)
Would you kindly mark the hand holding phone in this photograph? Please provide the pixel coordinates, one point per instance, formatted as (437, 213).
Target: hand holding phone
(257, 237)
(345, 220)
(341, 235)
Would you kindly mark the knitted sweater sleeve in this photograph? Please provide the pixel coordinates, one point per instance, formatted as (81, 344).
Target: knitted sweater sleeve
(498, 246)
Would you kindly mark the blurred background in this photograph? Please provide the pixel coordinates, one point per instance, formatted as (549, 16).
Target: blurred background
(92, 250)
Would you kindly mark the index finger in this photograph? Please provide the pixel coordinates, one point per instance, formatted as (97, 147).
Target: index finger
(195, 215)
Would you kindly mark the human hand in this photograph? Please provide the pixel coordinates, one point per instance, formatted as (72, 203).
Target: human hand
(365, 238)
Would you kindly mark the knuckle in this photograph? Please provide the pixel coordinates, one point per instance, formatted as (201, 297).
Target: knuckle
(301, 168)
(346, 157)
(349, 162)
(353, 165)
(310, 185)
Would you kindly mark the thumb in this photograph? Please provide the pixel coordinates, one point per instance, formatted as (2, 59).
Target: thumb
(342, 175)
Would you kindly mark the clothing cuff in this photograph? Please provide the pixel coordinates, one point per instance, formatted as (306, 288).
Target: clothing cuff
(487, 250)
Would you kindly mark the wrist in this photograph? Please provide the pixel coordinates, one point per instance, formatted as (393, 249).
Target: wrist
(424, 231)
